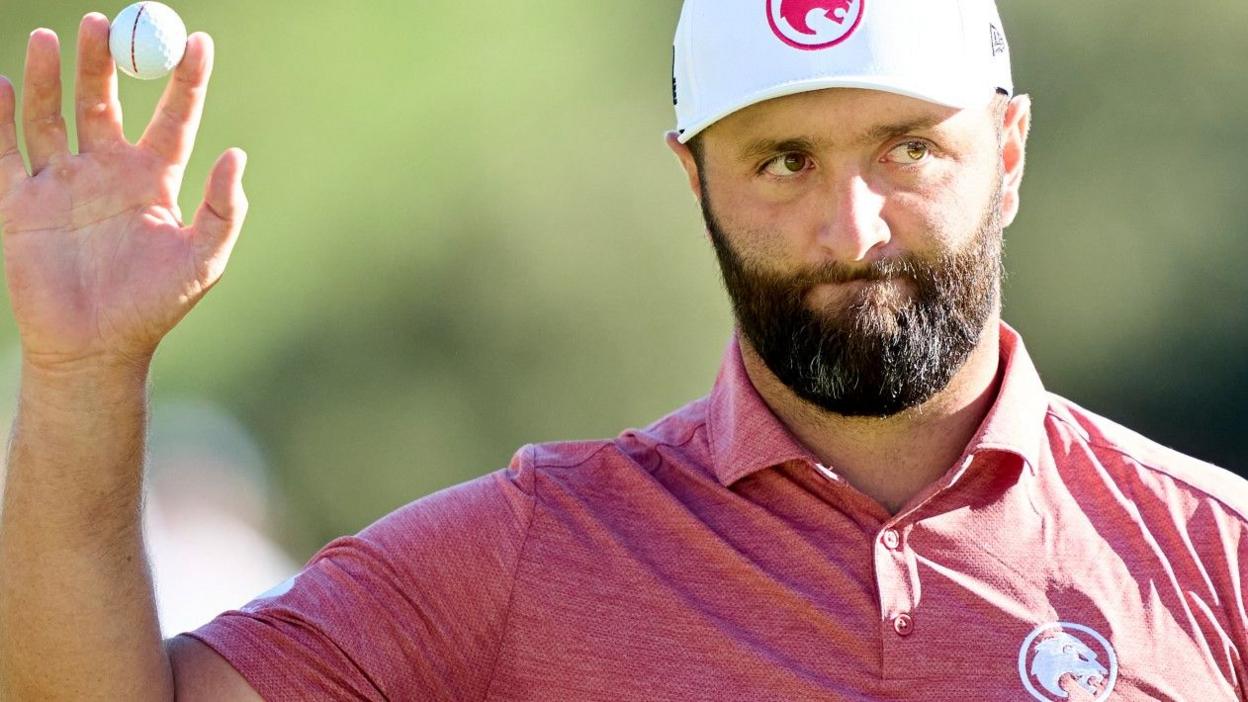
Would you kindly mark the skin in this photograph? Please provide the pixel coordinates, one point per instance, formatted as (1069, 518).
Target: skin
(100, 266)
(862, 193)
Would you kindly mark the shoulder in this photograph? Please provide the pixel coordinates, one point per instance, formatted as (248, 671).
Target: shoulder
(505, 500)
(1142, 462)
(635, 449)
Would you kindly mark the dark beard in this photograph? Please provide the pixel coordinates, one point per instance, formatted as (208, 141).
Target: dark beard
(869, 359)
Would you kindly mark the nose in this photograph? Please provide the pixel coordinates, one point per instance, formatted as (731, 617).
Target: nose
(854, 222)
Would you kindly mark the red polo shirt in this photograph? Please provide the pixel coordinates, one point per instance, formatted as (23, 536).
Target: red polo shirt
(709, 557)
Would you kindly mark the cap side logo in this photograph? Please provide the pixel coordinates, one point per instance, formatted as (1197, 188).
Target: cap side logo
(998, 40)
(814, 24)
(675, 95)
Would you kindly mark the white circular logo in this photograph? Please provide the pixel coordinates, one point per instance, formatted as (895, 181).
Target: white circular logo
(814, 24)
(1059, 657)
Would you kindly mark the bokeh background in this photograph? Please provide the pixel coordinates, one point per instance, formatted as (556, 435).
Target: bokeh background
(466, 235)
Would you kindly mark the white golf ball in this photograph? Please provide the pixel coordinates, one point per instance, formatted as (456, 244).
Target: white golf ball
(147, 40)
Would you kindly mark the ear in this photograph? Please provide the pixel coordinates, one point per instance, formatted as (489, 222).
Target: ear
(687, 161)
(1016, 126)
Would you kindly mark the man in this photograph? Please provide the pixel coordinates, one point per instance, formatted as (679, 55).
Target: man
(876, 501)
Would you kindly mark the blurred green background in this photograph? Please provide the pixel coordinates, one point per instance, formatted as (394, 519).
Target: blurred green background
(466, 233)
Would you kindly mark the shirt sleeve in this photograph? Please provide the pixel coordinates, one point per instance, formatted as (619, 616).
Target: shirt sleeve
(412, 607)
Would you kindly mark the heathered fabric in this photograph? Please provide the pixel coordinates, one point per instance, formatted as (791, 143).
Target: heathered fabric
(709, 557)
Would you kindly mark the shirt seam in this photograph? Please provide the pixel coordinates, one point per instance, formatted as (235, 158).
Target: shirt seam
(603, 444)
(654, 430)
(511, 596)
(693, 431)
(1083, 434)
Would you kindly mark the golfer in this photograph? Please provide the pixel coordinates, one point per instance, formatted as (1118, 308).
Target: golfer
(877, 500)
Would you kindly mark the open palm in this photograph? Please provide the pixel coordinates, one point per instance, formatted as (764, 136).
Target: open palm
(98, 262)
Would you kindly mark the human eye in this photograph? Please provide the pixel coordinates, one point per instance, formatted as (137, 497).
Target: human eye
(787, 165)
(909, 153)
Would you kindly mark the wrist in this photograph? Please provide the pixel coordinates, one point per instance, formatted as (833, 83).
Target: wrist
(53, 366)
(83, 385)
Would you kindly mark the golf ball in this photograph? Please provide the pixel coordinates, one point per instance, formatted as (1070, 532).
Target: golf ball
(147, 40)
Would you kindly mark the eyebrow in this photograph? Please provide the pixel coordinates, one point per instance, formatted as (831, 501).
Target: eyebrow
(883, 132)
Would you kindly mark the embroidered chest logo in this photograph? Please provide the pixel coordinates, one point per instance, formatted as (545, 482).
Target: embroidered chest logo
(1059, 658)
(814, 24)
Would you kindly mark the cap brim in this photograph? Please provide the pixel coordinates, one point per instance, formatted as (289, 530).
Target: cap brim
(958, 101)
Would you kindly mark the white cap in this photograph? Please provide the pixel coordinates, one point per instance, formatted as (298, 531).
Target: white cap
(730, 54)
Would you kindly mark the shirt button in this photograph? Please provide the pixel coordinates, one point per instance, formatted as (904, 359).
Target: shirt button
(891, 538)
(903, 625)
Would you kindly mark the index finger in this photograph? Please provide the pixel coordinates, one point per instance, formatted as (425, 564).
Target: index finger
(12, 168)
(171, 132)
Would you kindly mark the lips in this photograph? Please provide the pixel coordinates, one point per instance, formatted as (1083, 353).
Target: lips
(889, 293)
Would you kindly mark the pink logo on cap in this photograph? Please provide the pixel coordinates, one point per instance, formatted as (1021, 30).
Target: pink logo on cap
(814, 24)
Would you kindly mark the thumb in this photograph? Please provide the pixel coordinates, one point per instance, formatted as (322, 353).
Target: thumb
(219, 218)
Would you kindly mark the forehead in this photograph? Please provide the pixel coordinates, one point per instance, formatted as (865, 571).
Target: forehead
(843, 117)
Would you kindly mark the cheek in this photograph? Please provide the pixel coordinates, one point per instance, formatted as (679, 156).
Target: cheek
(942, 214)
(759, 228)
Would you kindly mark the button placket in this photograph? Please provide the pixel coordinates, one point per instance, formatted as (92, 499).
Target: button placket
(899, 598)
(903, 622)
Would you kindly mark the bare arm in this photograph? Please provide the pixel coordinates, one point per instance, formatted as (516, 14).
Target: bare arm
(71, 520)
(99, 267)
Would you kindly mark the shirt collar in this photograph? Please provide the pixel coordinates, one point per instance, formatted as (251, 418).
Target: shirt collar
(746, 437)
(1015, 424)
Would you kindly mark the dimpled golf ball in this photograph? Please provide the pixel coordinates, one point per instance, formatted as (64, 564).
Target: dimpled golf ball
(147, 40)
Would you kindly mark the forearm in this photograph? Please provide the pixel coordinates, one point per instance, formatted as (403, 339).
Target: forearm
(77, 612)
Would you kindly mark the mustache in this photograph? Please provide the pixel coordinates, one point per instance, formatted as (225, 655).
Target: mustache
(872, 271)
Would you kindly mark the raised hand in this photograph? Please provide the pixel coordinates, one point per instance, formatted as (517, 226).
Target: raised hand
(98, 262)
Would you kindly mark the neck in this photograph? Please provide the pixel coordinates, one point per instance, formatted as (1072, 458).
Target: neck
(892, 459)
